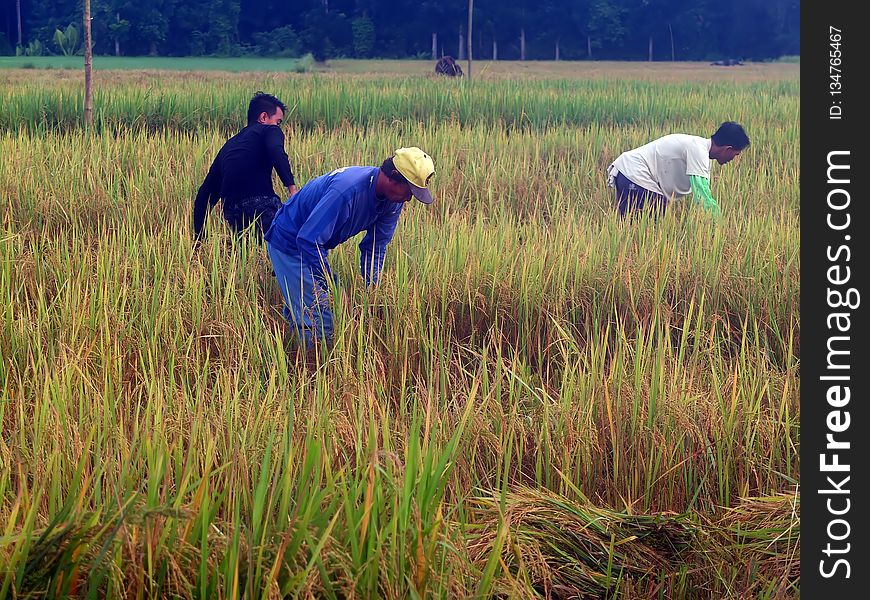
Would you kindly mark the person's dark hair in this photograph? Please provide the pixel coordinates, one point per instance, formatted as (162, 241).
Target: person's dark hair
(390, 170)
(731, 134)
(263, 103)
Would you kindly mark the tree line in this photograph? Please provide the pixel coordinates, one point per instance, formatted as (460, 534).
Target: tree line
(503, 29)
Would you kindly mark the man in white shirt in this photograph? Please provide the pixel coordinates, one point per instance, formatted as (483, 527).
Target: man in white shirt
(671, 167)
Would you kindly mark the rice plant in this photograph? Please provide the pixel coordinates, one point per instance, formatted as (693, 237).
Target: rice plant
(539, 400)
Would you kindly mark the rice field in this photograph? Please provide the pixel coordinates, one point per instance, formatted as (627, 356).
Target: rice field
(538, 400)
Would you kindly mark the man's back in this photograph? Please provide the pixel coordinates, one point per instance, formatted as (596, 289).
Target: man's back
(241, 173)
(663, 165)
(246, 161)
(337, 205)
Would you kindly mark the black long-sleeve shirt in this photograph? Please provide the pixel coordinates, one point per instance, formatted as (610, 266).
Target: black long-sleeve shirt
(243, 169)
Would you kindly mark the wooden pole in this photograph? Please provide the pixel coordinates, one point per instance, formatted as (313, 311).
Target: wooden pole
(89, 99)
(470, 44)
(18, 20)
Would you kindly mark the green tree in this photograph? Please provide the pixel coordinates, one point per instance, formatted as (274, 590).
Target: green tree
(363, 37)
(223, 26)
(47, 17)
(5, 46)
(188, 29)
(118, 32)
(281, 41)
(604, 24)
(326, 34)
(508, 29)
(150, 24)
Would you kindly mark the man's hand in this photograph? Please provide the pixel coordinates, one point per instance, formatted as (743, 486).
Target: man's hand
(292, 189)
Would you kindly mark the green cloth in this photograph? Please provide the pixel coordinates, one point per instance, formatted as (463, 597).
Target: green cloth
(701, 194)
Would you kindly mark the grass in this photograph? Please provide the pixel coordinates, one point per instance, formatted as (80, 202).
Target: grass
(534, 70)
(329, 101)
(156, 63)
(538, 401)
(660, 71)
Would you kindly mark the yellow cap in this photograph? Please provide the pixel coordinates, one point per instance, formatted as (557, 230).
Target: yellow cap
(417, 167)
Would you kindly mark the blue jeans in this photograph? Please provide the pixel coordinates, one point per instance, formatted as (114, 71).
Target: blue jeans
(242, 213)
(631, 197)
(306, 304)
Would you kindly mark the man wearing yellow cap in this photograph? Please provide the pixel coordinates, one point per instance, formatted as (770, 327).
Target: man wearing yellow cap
(329, 210)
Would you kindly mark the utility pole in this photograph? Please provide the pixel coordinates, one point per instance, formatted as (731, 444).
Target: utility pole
(89, 99)
(18, 18)
(470, 13)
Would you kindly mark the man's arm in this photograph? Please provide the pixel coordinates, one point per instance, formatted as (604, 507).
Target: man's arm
(373, 247)
(331, 212)
(274, 140)
(206, 197)
(701, 194)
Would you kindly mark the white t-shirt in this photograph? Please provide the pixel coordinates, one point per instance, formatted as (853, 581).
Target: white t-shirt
(663, 166)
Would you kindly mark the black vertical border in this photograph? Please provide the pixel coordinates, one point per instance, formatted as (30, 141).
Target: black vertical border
(821, 135)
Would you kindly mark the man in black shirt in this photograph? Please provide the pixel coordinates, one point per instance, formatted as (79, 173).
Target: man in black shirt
(241, 173)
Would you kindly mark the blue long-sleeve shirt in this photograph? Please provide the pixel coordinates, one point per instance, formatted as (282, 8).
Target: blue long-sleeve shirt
(328, 211)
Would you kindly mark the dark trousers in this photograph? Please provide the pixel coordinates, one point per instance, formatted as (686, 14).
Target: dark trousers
(631, 197)
(257, 209)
